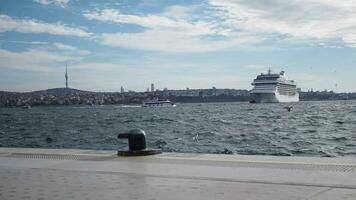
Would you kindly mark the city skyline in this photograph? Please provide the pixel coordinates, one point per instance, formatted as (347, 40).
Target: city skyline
(175, 44)
(152, 87)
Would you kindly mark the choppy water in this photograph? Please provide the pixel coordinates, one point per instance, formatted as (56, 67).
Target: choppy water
(310, 129)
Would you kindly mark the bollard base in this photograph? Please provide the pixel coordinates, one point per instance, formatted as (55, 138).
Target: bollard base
(145, 152)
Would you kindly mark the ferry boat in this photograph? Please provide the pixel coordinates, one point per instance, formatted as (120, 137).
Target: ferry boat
(273, 88)
(158, 103)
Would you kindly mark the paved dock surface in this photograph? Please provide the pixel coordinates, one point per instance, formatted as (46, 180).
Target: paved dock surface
(42, 174)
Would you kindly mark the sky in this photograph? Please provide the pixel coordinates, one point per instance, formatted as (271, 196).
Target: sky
(176, 44)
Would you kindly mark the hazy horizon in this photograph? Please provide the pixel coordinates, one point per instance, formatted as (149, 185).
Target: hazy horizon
(175, 44)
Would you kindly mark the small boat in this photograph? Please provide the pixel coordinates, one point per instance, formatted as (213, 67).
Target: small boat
(26, 107)
(158, 103)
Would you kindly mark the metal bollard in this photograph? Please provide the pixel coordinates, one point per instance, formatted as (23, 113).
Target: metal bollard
(137, 139)
(137, 144)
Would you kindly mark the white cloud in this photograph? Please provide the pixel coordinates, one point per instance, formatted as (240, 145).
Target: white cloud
(33, 60)
(154, 21)
(70, 48)
(64, 46)
(61, 3)
(171, 41)
(169, 31)
(180, 12)
(38, 42)
(186, 28)
(302, 19)
(25, 42)
(8, 23)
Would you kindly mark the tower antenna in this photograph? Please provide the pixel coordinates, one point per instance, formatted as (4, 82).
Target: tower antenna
(66, 76)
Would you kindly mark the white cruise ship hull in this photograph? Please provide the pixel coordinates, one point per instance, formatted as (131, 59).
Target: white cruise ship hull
(273, 98)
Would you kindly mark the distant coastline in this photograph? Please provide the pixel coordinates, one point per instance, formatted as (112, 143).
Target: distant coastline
(70, 96)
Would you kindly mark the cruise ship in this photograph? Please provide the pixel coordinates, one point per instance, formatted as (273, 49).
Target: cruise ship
(273, 88)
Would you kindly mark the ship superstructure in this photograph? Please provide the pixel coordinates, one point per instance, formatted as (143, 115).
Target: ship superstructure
(273, 88)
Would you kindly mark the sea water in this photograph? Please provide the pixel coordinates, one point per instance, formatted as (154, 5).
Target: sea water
(315, 128)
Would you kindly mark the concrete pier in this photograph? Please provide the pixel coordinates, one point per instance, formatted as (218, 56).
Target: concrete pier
(41, 174)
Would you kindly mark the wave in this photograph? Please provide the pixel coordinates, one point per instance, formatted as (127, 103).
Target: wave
(130, 106)
(158, 120)
(340, 138)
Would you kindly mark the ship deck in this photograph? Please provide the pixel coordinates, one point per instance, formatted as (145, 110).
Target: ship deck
(88, 174)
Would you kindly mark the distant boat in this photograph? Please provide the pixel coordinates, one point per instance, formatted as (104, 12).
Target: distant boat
(26, 107)
(158, 103)
(273, 88)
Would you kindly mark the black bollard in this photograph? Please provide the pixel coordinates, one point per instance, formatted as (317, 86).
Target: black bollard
(137, 139)
(137, 144)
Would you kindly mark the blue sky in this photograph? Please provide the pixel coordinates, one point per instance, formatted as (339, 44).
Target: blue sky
(176, 44)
